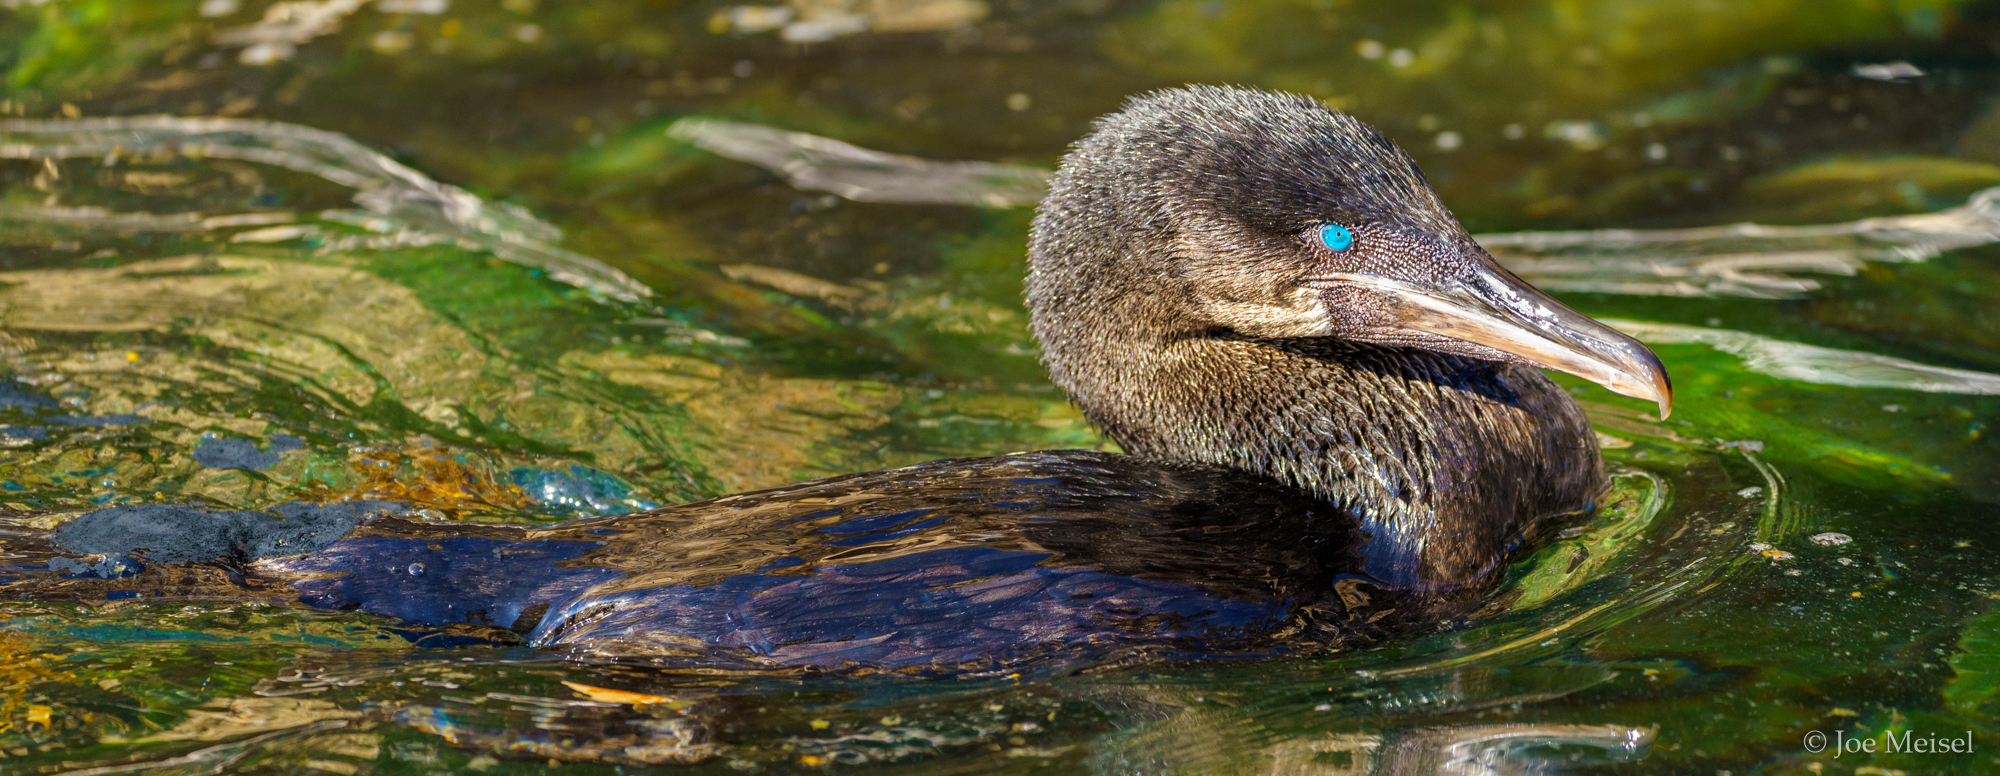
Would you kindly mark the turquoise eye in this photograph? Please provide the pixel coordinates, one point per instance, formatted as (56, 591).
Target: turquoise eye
(1335, 236)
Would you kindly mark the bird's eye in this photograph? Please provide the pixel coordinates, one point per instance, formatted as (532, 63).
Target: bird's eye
(1336, 237)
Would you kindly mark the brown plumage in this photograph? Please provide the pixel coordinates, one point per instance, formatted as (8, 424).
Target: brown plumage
(1165, 274)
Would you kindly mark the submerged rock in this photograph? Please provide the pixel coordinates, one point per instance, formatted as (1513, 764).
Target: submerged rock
(233, 454)
(243, 453)
(174, 533)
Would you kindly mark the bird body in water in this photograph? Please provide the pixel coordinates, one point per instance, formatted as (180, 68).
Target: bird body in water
(1329, 397)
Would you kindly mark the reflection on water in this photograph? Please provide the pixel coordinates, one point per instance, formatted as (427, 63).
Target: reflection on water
(254, 253)
(1747, 260)
(821, 164)
(399, 206)
(1810, 364)
(1499, 749)
(812, 21)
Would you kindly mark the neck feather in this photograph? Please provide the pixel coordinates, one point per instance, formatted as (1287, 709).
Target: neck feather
(1443, 459)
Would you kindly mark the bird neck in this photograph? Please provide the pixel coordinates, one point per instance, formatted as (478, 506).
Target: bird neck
(1442, 459)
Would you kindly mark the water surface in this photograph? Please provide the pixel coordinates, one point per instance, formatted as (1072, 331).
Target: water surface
(525, 262)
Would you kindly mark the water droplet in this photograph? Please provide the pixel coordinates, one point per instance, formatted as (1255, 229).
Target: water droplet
(416, 569)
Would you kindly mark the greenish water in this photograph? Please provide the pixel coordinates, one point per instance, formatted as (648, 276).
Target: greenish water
(474, 256)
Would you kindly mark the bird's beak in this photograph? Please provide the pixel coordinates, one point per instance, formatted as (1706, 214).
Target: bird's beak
(1495, 309)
